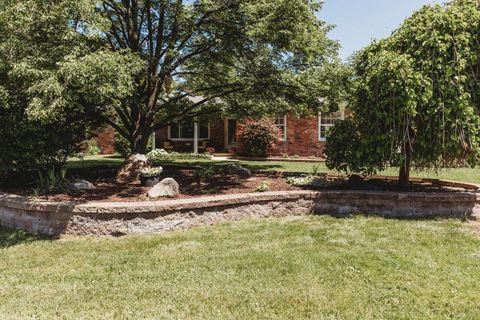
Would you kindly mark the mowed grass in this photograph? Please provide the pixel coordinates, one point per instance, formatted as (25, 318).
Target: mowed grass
(471, 175)
(290, 268)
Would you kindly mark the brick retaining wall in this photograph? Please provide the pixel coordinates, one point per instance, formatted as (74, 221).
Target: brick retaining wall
(122, 218)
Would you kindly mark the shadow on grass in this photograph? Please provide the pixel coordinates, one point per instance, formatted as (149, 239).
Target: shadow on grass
(10, 238)
(256, 167)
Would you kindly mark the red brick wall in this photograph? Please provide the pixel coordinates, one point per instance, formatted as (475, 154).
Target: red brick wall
(106, 139)
(302, 139)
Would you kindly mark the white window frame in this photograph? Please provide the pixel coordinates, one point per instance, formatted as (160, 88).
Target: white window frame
(188, 139)
(284, 135)
(323, 139)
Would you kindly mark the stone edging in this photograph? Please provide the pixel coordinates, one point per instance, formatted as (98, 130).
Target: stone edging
(119, 218)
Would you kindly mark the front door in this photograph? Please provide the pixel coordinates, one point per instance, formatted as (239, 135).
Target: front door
(230, 133)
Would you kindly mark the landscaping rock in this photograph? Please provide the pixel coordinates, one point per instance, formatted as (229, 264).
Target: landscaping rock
(238, 170)
(132, 167)
(82, 185)
(166, 188)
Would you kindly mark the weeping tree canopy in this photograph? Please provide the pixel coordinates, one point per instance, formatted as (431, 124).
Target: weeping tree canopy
(416, 100)
(243, 57)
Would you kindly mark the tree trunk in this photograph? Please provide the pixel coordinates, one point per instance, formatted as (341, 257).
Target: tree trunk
(141, 144)
(404, 177)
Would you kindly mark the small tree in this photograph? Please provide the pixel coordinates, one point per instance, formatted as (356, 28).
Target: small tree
(416, 98)
(259, 137)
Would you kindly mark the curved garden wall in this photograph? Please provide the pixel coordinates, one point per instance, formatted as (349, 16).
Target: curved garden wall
(122, 218)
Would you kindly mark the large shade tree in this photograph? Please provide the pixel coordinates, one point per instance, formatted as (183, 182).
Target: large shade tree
(35, 36)
(243, 57)
(416, 96)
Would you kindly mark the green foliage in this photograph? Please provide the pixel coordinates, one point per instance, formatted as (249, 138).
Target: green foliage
(316, 169)
(41, 121)
(204, 173)
(259, 57)
(121, 145)
(151, 172)
(92, 147)
(416, 97)
(53, 181)
(259, 137)
(262, 187)
(347, 149)
(159, 156)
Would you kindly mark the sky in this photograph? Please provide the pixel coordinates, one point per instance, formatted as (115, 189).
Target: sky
(358, 22)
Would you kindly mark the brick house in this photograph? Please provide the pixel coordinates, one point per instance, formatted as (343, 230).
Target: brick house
(299, 136)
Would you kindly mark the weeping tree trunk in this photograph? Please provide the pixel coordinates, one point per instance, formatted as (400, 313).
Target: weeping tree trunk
(404, 176)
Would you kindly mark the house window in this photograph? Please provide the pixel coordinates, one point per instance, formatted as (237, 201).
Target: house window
(281, 123)
(185, 130)
(326, 122)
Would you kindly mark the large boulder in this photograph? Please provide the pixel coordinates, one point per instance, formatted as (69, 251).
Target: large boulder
(166, 188)
(132, 167)
(237, 170)
(82, 185)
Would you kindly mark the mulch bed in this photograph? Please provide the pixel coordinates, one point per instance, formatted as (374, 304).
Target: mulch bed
(107, 190)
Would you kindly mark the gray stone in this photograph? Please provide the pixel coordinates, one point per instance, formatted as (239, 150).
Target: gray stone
(82, 185)
(166, 188)
(238, 170)
(132, 167)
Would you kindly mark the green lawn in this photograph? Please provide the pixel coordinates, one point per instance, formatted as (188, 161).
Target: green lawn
(95, 161)
(291, 268)
(458, 174)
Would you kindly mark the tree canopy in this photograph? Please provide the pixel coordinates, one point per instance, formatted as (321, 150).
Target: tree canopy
(415, 99)
(40, 120)
(137, 64)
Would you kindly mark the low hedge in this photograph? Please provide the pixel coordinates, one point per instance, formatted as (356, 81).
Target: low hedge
(162, 155)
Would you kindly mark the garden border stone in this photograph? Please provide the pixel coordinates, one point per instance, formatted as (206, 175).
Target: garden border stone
(121, 218)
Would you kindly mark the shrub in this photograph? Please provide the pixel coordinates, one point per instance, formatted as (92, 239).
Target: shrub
(259, 137)
(319, 181)
(52, 181)
(121, 145)
(160, 155)
(92, 147)
(204, 174)
(262, 187)
(151, 172)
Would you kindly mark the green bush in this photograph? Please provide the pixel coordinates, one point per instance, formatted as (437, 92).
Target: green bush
(121, 145)
(52, 181)
(92, 148)
(258, 137)
(160, 155)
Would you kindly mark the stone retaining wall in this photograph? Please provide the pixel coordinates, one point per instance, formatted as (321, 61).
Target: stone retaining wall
(119, 218)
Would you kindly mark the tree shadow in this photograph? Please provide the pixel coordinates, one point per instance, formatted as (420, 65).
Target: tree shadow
(10, 238)
(221, 164)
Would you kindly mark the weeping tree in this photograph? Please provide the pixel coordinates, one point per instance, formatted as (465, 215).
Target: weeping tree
(195, 58)
(416, 97)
